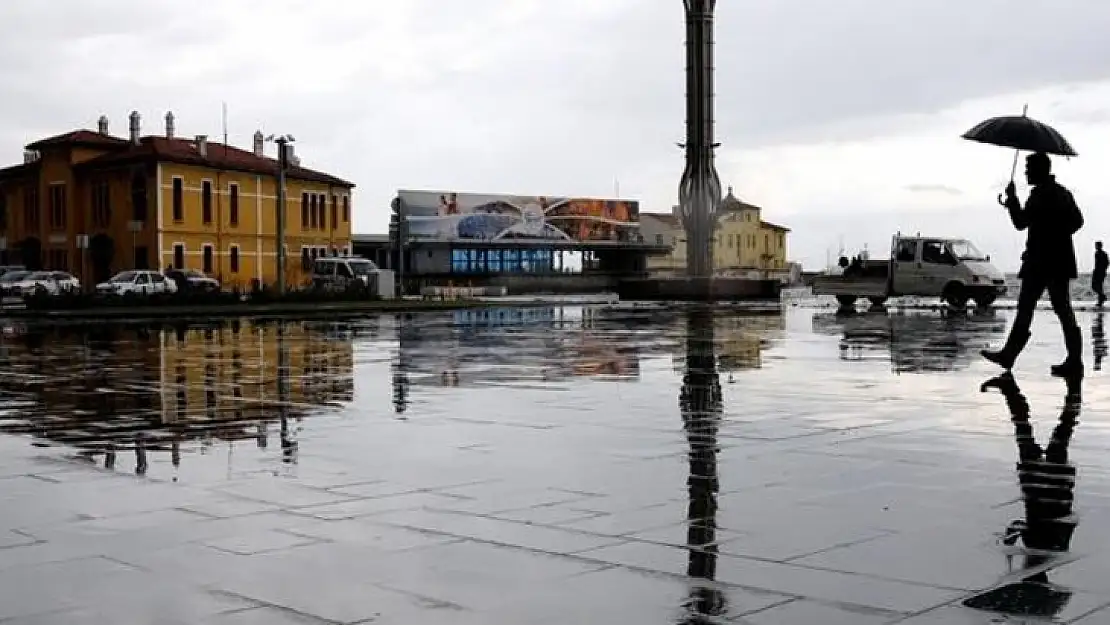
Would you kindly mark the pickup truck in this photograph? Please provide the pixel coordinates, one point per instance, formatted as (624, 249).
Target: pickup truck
(951, 269)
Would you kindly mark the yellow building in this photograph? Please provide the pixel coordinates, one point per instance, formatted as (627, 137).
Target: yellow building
(743, 242)
(93, 204)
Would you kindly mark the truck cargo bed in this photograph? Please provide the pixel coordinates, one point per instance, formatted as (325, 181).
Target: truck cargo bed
(859, 286)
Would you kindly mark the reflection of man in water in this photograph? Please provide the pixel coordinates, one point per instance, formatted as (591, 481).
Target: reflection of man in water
(1098, 339)
(1047, 480)
(1051, 217)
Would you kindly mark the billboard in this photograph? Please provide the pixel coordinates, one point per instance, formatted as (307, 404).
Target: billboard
(447, 215)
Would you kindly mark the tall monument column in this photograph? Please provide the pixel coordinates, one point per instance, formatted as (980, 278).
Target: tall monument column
(699, 191)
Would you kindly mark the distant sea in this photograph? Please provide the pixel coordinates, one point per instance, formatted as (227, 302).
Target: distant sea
(1080, 290)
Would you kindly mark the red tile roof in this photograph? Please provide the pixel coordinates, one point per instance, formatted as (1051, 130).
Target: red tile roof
(184, 151)
(767, 224)
(79, 137)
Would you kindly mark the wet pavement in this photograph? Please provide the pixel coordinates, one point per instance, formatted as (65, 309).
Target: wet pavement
(553, 465)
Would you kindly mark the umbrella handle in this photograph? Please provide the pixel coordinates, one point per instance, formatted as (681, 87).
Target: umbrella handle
(1002, 200)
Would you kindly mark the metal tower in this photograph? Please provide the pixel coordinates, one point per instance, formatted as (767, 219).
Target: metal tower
(699, 191)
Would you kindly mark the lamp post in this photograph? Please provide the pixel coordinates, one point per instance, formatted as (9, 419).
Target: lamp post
(282, 142)
(82, 248)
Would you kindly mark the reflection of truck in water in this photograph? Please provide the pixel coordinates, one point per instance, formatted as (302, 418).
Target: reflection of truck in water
(952, 269)
(917, 343)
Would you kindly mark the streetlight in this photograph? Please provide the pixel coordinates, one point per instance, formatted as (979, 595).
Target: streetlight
(283, 162)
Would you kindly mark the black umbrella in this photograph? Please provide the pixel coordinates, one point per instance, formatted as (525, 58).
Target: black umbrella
(1021, 133)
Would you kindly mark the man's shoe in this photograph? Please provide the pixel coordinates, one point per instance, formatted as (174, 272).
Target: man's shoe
(1002, 358)
(1068, 369)
(1006, 356)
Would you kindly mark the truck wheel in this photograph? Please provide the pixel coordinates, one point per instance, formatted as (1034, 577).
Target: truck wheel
(956, 296)
(877, 302)
(984, 301)
(846, 301)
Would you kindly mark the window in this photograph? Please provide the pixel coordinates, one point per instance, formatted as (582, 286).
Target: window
(323, 204)
(207, 258)
(766, 243)
(334, 211)
(304, 210)
(3, 210)
(312, 210)
(907, 252)
(936, 252)
(101, 209)
(138, 196)
(57, 259)
(178, 199)
(142, 258)
(58, 206)
(306, 262)
(346, 208)
(31, 208)
(178, 255)
(233, 204)
(233, 258)
(206, 201)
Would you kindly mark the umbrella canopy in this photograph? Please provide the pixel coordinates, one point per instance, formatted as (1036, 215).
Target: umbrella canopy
(1021, 133)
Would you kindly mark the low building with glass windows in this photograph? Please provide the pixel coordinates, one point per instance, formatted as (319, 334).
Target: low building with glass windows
(526, 243)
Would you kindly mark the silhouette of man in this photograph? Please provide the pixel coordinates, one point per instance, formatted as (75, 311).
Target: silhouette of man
(1098, 276)
(1051, 217)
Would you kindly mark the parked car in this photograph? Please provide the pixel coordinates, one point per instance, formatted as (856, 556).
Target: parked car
(67, 282)
(192, 280)
(340, 272)
(25, 283)
(7, 268)
(10, 278)
(137, 282)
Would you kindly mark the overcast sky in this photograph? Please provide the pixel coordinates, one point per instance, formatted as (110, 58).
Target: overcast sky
(839, 118)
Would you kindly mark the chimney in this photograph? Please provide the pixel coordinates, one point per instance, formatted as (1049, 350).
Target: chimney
(134, 119)
(291, 157)
(30, 156)
(169, 124)
(202, 145)
(258, 143)
(102, 125)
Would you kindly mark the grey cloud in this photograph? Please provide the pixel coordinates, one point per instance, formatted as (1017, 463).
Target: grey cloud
(558, 97)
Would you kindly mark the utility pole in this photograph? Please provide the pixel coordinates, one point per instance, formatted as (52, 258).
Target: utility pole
(283, 163)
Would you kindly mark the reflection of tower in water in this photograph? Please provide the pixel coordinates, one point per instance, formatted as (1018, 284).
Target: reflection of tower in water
(700, 403)
(1047, 480)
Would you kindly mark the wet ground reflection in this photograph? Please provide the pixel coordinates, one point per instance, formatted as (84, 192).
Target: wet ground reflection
(542, 465)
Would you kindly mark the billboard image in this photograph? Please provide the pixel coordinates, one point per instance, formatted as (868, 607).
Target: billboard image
(449, 215)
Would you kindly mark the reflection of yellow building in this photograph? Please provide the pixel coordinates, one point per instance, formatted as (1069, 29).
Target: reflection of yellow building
(743, 243)
(146, 202)
(249, 370)
(132, 386)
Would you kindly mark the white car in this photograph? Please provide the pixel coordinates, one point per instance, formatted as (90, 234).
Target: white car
(138, 282)
(67, 282)
(32, 283)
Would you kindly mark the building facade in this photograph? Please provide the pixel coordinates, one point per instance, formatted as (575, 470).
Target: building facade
(94, 204)
(743, 243)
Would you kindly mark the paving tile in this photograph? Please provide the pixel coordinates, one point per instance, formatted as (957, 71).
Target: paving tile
(367, 533)
(552, 540)
(259, 542)
(263, 615)
(801, 612)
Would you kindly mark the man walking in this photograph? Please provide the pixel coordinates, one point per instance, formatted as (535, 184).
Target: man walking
(1098, 276)
(1051, 217)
